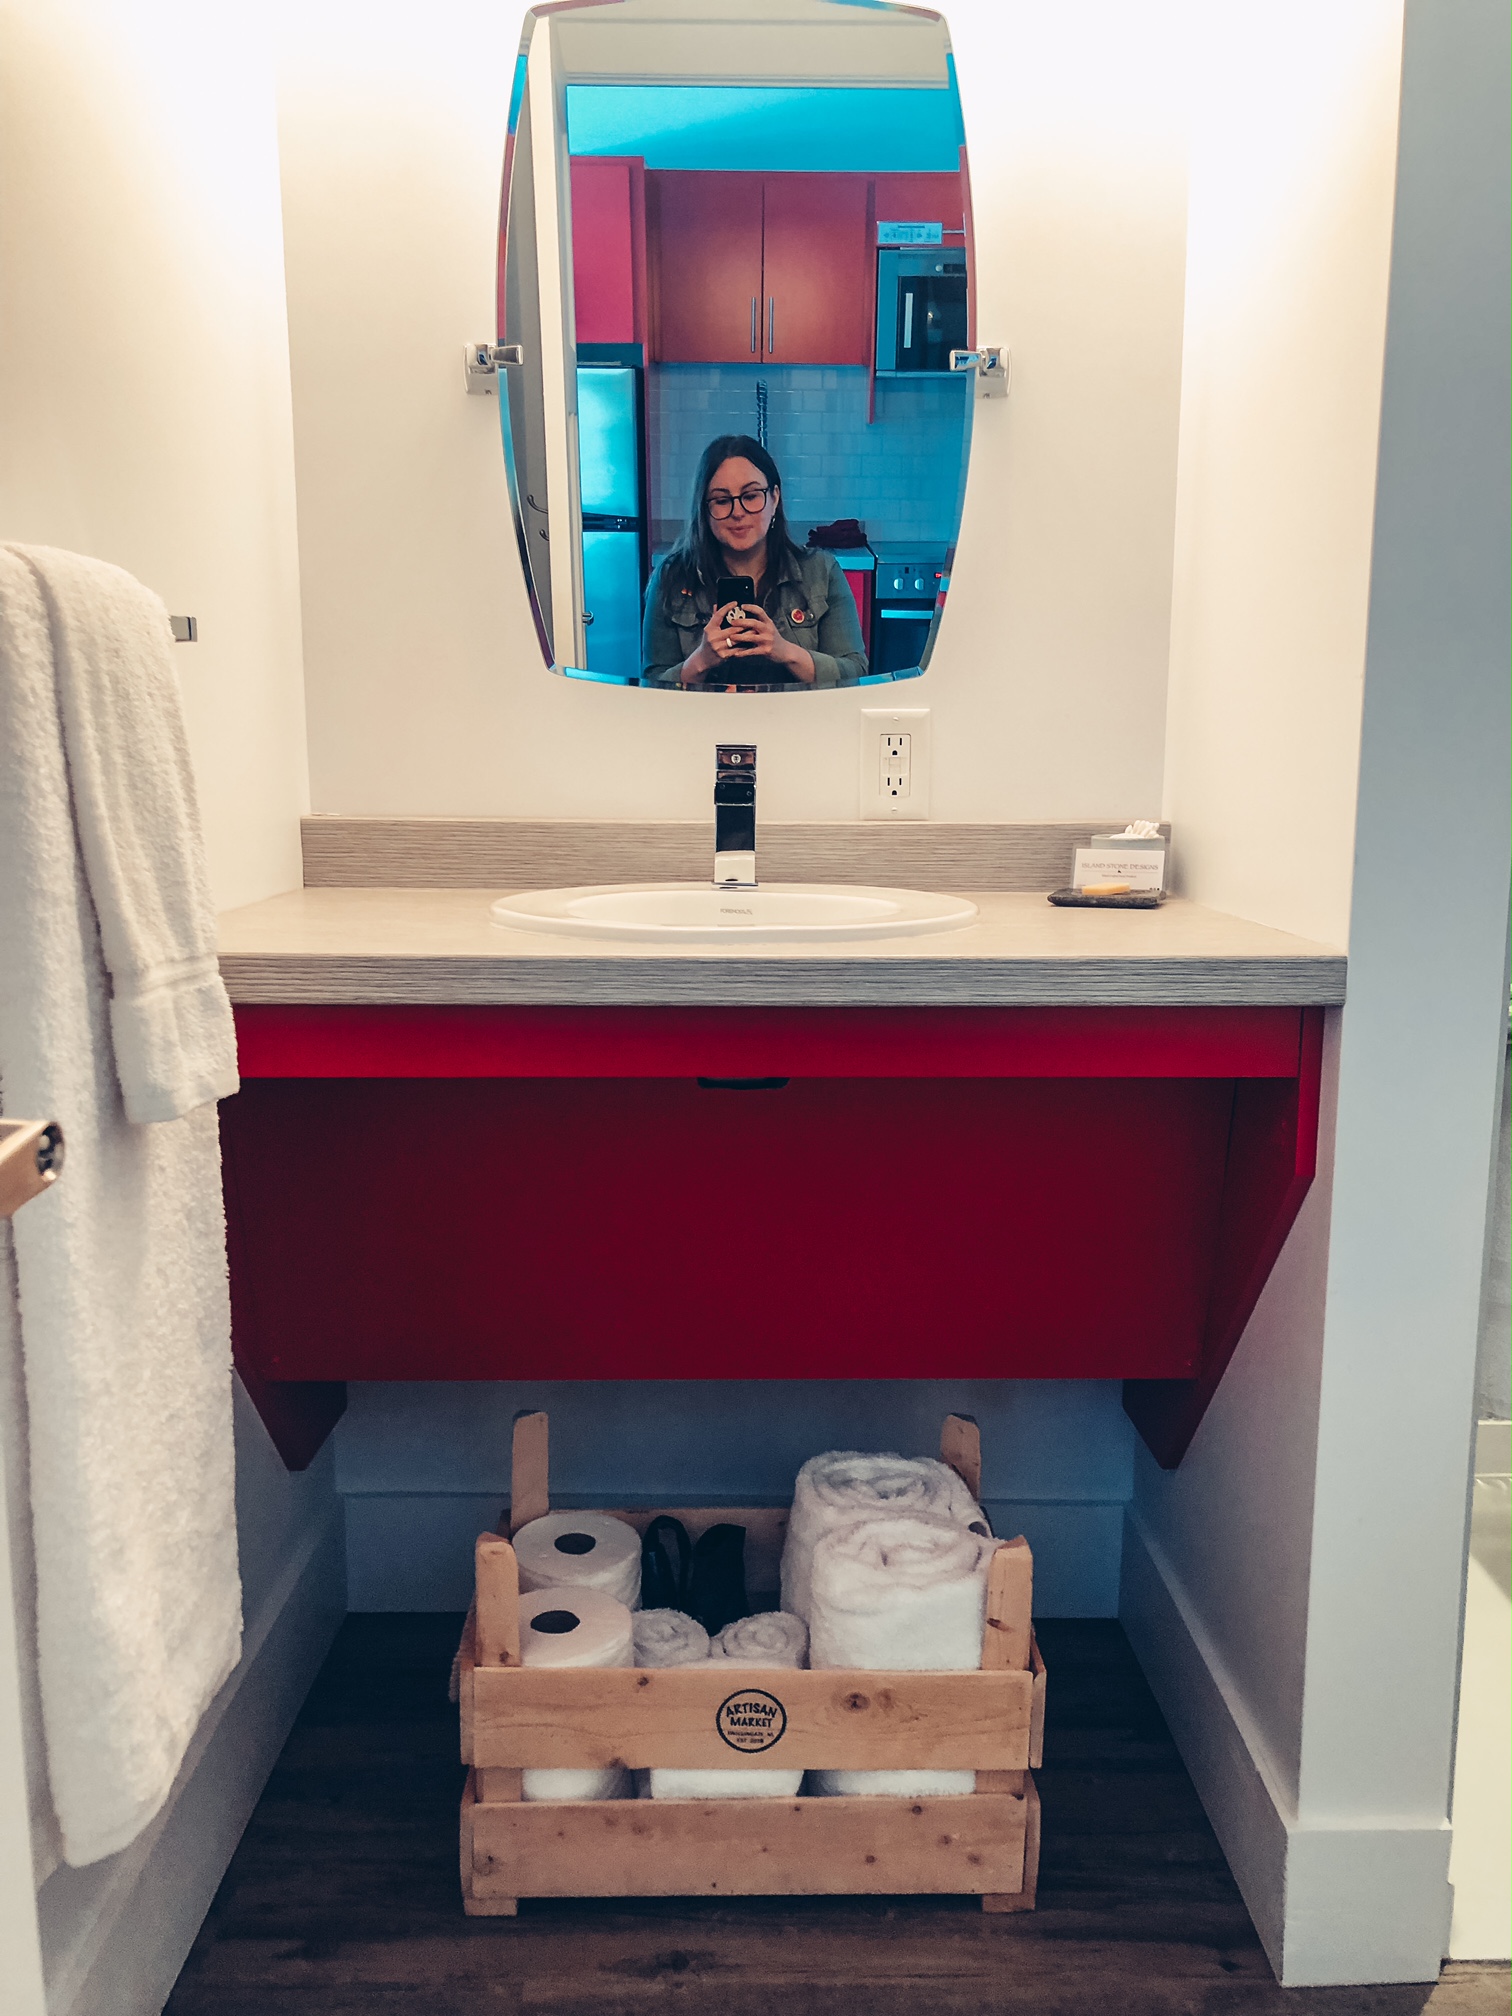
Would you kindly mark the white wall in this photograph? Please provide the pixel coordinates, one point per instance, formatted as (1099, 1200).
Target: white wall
(425, 687)
(144, 369)
(1341, 649)
(145, 397)
(423, 1467)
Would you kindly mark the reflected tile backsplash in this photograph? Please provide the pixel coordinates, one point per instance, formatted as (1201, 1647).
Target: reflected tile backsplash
(903, 474)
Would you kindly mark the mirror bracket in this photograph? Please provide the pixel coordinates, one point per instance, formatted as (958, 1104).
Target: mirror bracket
(482, 361)
(991, 368)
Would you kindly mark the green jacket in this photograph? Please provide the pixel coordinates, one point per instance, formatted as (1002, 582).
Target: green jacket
(809, 602)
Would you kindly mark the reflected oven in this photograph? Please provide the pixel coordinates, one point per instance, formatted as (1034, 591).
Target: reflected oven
(906, 590)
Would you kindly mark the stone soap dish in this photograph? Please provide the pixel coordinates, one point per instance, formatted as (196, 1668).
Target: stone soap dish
(1133, 899)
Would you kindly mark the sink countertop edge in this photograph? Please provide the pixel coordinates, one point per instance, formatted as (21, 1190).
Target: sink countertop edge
(438, 946)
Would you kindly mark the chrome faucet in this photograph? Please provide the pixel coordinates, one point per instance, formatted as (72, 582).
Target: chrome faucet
(734, 815)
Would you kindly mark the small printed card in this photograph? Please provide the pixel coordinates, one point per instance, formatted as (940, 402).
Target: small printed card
(901, 232)
(1140, 868)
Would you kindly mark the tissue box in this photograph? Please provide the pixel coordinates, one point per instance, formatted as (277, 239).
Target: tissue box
(1110, 857)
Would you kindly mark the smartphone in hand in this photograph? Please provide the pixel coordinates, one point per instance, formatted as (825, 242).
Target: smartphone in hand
(733, 588)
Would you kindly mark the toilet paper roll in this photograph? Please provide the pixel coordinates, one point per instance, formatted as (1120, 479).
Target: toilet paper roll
(844, 1485)
(575, 1627)
(580, 1550)
(769, 1638)
(669, 1638)
(907, 1595)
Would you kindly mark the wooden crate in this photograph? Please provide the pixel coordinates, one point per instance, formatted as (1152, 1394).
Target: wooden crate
(990, 1721)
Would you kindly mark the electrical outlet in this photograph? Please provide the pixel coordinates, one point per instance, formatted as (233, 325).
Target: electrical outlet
(895, 763)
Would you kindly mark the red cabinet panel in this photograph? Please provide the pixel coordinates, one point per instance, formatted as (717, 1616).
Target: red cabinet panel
(861, 584)
(489, 1193)
(755, 267)
(926, 199)
(704, 232)
(608, 248)
(649, 1228)
(816, 270)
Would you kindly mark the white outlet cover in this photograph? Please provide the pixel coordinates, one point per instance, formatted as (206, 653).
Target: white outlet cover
(876, 723)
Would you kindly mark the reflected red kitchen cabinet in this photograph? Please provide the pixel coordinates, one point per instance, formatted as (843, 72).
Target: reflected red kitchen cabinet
(816, 270)
(704, 236)
(755, 268)
(921, 199)
(609, 248)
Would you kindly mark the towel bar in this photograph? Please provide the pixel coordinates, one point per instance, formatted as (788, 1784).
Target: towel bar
(31, 1157)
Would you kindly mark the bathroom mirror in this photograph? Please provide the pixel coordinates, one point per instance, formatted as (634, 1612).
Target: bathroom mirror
(734, 263)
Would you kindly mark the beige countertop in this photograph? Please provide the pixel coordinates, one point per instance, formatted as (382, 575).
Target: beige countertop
(439, 945)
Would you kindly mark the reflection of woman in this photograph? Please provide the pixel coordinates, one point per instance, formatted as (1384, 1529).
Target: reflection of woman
(802, 627)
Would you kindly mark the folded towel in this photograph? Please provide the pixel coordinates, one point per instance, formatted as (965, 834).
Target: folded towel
(669, 1638)
(834, 1489)
(581, 1550)
(575, 1627)
(770, 1639)
(111, 1017)
(904, 1595)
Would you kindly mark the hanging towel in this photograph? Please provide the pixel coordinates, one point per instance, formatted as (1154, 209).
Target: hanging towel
(834, 1489)
(575, 1627)
(899, 1595)
(111, 1018)
(769, 1639)
(581, 1550)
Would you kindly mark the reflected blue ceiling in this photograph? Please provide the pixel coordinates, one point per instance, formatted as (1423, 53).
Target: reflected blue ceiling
(768, 126)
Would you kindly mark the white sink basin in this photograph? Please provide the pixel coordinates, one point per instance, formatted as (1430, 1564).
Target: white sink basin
(696, 913)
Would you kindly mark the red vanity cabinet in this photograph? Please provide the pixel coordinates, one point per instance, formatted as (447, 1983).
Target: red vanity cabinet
(612, 1193)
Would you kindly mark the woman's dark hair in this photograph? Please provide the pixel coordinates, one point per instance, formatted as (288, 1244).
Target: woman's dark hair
(698, 556)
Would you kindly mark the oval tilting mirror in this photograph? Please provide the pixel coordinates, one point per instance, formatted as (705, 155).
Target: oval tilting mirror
(728, 309)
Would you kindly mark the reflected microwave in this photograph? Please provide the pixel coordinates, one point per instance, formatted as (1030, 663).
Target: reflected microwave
(921, 307)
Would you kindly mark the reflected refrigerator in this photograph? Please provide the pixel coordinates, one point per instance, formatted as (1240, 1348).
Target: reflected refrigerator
(612, 474)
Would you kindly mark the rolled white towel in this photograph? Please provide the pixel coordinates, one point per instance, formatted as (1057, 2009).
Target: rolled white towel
(905, 1595)
(575, 1627)
(770, 1639)
(669, 1638)
(580, 1550)
(844, 1485)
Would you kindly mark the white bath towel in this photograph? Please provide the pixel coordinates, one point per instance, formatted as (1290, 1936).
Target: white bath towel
(771, 1639)
(575, 1627)
(581, 1550)
(669, 1638)
(138, 832)
(833, 1489)
(903, 1595)
(110, 1020)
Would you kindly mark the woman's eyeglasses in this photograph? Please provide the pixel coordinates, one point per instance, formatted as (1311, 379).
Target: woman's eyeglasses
(720, 504)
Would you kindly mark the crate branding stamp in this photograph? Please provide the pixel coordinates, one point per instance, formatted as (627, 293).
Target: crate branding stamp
(751, 1720)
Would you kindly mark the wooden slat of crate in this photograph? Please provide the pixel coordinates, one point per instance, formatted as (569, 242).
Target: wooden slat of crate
(745, 1848)
(581, 1717)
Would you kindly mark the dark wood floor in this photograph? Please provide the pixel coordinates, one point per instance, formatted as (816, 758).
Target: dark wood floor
(343, 1901)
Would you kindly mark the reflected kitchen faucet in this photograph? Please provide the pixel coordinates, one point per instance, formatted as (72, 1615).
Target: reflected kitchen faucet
(734, 815)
